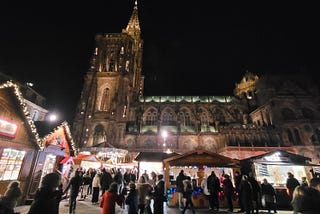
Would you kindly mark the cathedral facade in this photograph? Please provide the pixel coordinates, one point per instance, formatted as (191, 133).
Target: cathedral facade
(265, 113)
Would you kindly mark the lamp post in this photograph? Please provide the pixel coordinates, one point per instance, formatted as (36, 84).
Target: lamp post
(164, 134)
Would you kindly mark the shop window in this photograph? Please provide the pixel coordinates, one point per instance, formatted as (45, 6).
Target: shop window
(10, 164)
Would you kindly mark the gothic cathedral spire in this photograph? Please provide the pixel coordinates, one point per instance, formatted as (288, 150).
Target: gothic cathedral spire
(133, 27)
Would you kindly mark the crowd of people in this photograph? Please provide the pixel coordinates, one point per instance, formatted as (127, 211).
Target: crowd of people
(107, 187)
(111, 187)
(250, 194)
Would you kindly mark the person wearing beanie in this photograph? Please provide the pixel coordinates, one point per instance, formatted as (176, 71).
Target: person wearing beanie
(9, 200)
(48, 197)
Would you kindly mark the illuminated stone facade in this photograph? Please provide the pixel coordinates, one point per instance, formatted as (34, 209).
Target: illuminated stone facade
(265, 113)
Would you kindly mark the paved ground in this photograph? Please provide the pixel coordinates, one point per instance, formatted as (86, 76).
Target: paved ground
(85, 207)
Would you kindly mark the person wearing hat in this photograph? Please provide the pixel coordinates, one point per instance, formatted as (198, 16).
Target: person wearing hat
(48, 197)
(9, 200)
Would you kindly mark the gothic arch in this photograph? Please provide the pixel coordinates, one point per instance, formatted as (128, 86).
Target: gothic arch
(150, 116)
(186, 117)
(168, 116)
(104, 98)
(99, 134)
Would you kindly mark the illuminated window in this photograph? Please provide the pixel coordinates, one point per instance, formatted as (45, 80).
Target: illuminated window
(10, 164)
(105, 100)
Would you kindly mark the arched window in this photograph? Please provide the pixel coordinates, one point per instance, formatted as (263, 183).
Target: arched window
(185, 118)
(150, 117)
(99, 135)
(168, 117)
(287, 114)
(105, 100)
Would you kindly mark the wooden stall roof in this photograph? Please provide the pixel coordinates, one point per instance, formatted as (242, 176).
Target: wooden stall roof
(201, 158)
(153, 156)
(280, 157)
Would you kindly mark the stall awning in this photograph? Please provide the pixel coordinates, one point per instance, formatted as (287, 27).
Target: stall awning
(66, 159)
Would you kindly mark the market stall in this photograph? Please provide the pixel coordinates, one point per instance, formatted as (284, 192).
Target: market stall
(274, 166)
(151, 161)
(198, 165)
(87, 161)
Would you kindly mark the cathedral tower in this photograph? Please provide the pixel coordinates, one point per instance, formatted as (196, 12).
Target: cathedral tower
(113, 82)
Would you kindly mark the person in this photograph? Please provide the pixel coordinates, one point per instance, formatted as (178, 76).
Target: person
(245, 192)
(204, 187)
(10, 198)
(256, 192)
(304, 181)
(268, 196)
(146, 176)
(214, 188)
(74, 186)
(95, 188)
(228, 191)
(305, 200)
(47, 198)
(86, 178)
(159, 195)
(187, 194)
(291, 184)
(111, 197)
(237, 181)
(105, 181)
(132, 199)
(179, 183)
(144, 191)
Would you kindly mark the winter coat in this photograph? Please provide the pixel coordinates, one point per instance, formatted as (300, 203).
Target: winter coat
(132, 201)
(46, 201)
(109, 201)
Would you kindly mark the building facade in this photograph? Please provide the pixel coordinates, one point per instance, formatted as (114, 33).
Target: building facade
(263, 114)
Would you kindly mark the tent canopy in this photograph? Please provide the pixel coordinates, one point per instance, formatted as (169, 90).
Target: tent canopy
(84, 157)
(201, 158)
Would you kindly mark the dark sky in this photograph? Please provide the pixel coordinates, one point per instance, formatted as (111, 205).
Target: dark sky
(190, 47)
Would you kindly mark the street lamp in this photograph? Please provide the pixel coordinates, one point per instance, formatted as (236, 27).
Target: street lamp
(164, 134)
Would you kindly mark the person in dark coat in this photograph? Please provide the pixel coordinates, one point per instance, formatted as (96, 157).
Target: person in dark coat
(10, 198)
(214, 188)
(306, 200)
(47, 198)
(245, 191)
(187, 194)
(268, 195)
(179, 183)
(106, 180)
(159, 195)
(237, 181)
(228, 191)
(74, 185)
(132, 199)
(291, 184)
(256, 192)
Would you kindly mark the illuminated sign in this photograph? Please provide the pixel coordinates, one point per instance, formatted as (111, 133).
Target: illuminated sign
(8, 128)
(276, 157)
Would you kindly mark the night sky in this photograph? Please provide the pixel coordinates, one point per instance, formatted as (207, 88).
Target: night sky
(190, 47)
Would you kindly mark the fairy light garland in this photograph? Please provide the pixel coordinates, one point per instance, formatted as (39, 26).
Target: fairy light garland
(23, 105)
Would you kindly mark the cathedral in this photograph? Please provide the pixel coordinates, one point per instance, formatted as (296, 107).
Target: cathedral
(266, 113)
